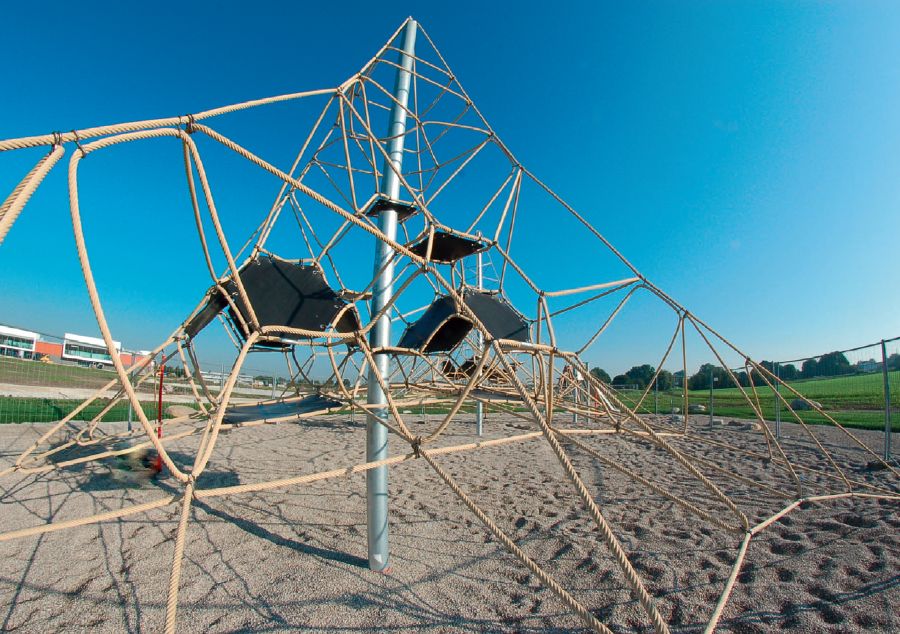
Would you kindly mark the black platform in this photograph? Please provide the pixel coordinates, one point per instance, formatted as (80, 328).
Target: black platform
(280, 410)
(442, 328)
(404, 210)
(282, 294)
(448, 247)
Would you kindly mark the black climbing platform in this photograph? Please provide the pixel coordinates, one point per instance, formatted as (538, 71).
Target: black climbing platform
(441, 328)
(404, 210)
(282, 293)
(448, 247)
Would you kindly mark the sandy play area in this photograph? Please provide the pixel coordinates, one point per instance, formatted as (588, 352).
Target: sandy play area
(294, 558)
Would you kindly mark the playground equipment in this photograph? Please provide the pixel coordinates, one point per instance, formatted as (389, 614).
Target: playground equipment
(352, 184)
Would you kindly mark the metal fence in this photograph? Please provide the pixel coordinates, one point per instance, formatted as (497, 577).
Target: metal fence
(40, 382)
(858, 387)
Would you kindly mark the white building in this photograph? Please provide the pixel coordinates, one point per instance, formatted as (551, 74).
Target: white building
(17, 343)
(87, 349)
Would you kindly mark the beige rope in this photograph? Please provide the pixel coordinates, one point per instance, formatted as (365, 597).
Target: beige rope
(691, 508)
(729, 586)
(354, 124)
(16, 201)
(135, 126)
(177, 559)
(634, 581)
(83, 521)
(504, 539)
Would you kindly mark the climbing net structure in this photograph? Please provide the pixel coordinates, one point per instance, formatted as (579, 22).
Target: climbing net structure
(298, 288)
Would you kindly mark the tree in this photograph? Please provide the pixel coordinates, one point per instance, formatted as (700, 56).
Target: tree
(893, 362)
(640, 375)
(601, 374)
(833, 364)
(809, 369)
(665, 381)
(788, 372)
(620, 379)
(700, 380)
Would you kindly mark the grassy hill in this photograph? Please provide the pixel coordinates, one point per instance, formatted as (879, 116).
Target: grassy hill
(853, 400)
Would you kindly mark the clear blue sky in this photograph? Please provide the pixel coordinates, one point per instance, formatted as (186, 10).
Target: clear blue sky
(744, 155)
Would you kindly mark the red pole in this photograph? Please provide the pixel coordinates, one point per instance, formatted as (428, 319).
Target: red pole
(159, 412)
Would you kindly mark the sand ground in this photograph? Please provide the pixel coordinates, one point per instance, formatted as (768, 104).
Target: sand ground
(295, 558)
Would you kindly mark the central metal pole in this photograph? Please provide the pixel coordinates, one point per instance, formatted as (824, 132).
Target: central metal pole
(376, 432)
(479, 408)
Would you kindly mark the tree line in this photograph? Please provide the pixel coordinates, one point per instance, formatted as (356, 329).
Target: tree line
(830, 364)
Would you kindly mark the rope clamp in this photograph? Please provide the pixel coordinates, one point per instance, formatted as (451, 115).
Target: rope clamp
(78, 143)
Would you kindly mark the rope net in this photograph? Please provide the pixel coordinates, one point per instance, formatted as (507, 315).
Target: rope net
(319, 223)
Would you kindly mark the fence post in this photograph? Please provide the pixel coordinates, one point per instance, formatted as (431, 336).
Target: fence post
(575, 393)
(130, 410)
(710, 399)
(656, 397)
(887, 403)
(777, 401)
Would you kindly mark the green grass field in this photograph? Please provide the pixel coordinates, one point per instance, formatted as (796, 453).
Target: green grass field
(46, 410)
(858, 386)
(854, 400)
(21, 372)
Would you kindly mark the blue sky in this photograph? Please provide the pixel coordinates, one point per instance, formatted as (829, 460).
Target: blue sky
(743, 155)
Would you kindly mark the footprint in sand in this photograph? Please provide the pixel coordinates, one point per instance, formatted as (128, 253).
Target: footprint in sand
(783, 547)
(857, 521)
(748, 574)
(565, 548)
(829, 613)
(830, 526)
(785, 575)
(875, 566)
(790, 536)
(789, 610)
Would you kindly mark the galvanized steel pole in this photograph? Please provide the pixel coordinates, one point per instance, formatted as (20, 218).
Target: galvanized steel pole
(376, 432)
(479, 408)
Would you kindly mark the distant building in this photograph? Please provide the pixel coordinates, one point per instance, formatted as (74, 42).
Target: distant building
(18, 343)
(867, 366)
(24, 344)
(49, 348)
(87, 349)
(130, 358)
